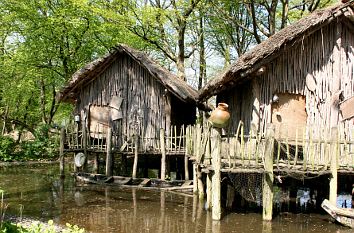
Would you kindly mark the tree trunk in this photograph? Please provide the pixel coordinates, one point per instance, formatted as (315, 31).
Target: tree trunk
(202, 62)
(180, 56)
(43, 101)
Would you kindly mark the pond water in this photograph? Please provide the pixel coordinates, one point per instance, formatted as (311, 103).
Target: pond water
(38, 192)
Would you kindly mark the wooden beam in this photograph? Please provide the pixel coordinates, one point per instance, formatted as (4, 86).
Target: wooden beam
(208, 204)
(109, 157)
(163, 154)
(136, 154)
(268, 176)
(84, 141)
(216, 176)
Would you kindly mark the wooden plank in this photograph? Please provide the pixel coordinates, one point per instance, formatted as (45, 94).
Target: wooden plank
(145, 183)
(347, 108)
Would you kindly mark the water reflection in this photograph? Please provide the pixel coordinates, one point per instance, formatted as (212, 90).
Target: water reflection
(113, 209)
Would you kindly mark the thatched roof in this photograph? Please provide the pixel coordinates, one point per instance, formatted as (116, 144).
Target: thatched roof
(271, 48)
(93, 70)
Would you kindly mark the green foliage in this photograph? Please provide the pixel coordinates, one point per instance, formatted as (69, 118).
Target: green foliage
(37, 227)
(7, 148)
(44, 146)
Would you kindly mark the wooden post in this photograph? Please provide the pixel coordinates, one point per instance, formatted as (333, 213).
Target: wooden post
(334, 175)
(195, 178)
(136, 154)
(209, 194)
(109, 157)
(268, 176)
(196, 169)
(186, 170)
(163, 154)
(200, 183)
(95, 163)
(216, 177)
(61, 152)
(84, 143)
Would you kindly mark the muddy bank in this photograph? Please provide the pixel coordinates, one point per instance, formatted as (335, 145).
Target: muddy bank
(17, 163)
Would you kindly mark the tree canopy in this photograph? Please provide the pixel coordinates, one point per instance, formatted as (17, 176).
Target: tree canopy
(43, 42)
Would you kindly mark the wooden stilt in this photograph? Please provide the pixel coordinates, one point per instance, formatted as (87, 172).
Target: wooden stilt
(267, 227)
(163, 154)
(196, 169)
(216, 177)
(208, 204)
(200, 183)
(186, 171)
(333, 182)
(268, 176)
(135, 164)
(61, 152)
(109, 157)
(195, 179)
(95, 163)
(84, 143)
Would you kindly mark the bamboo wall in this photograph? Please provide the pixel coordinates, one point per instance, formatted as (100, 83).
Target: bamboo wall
(147, 106)
(318, 67)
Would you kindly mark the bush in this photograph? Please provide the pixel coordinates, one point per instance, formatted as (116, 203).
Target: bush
(7, 148)
(44, 146)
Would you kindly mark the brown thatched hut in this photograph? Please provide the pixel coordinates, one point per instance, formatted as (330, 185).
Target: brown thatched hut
(303, 75)
(129, 93)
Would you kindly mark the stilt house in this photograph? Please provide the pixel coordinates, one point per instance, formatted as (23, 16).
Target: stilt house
(291, 100)
(129, 93)
(301, 76)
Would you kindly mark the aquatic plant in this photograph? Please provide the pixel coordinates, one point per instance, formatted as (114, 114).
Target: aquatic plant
(38, 227)
(3, 207)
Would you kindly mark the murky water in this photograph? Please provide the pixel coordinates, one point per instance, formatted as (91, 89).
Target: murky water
(37, 192)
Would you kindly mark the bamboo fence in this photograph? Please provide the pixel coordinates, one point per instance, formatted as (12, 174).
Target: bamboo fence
(310, 151)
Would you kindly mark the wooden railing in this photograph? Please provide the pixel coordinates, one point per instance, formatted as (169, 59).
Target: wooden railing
(175, 141)
(312, 150)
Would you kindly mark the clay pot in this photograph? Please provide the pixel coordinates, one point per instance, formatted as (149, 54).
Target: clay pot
(220, 116)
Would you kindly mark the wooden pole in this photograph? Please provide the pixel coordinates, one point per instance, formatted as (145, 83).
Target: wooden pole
(163, 154)
(200, 183)
(186, 170)
(61, 152)
(209, 194)
(109, 157)
(216, 177)
(95, 163)
(333, 182)
(195, 178)
(268, 176)
(135, 164)
(196, 169)
(84, 143)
